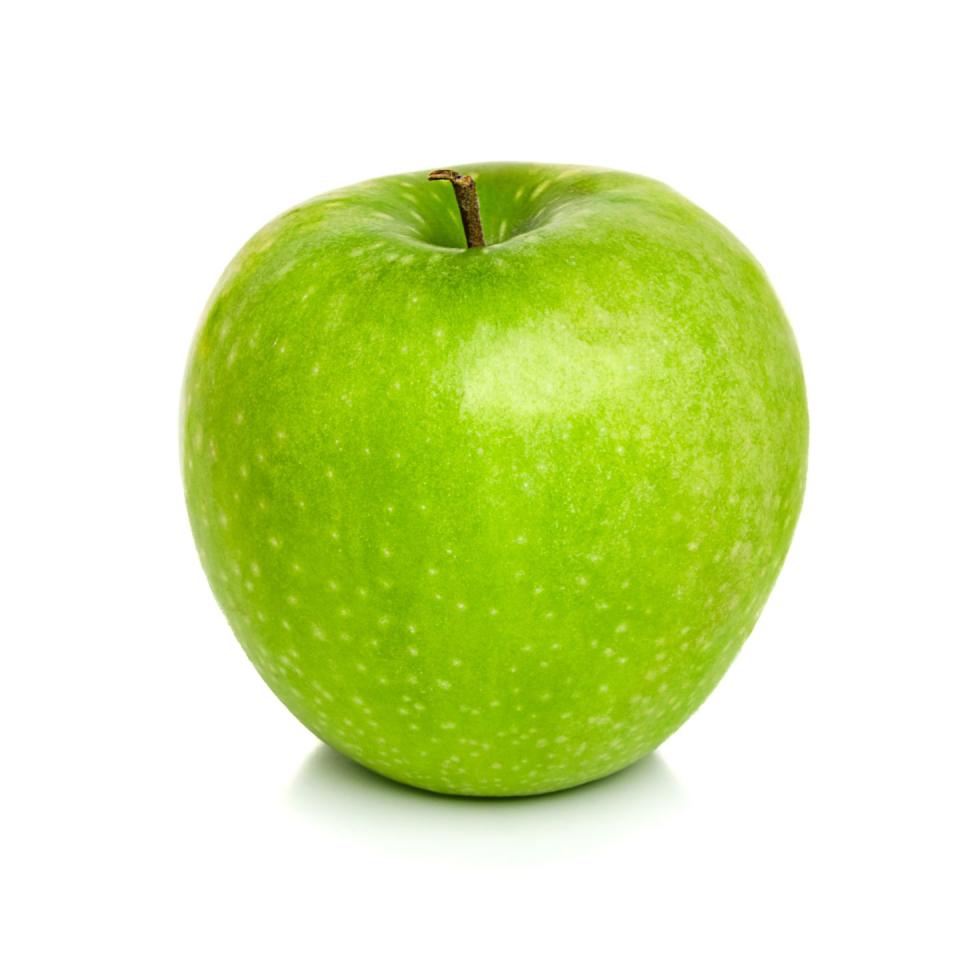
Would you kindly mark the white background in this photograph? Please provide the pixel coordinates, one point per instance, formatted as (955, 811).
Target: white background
(157, 800)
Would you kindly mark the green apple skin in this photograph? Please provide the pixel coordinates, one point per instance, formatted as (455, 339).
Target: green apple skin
(494, 521)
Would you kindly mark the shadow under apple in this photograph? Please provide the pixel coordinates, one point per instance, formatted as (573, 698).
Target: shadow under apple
(332, 790)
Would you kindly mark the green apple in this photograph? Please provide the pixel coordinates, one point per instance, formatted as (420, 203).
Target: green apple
(494, 519)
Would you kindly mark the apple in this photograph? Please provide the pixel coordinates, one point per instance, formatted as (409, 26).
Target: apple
(492, 514)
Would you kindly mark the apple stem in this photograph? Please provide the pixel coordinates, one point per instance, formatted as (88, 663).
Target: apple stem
(465, 190)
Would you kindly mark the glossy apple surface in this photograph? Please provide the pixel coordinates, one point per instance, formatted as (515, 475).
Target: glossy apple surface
(494, 521)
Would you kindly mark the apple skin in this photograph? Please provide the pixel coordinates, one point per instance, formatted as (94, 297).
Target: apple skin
(494, 521)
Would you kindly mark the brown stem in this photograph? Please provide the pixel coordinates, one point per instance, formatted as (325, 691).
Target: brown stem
(465, 190)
